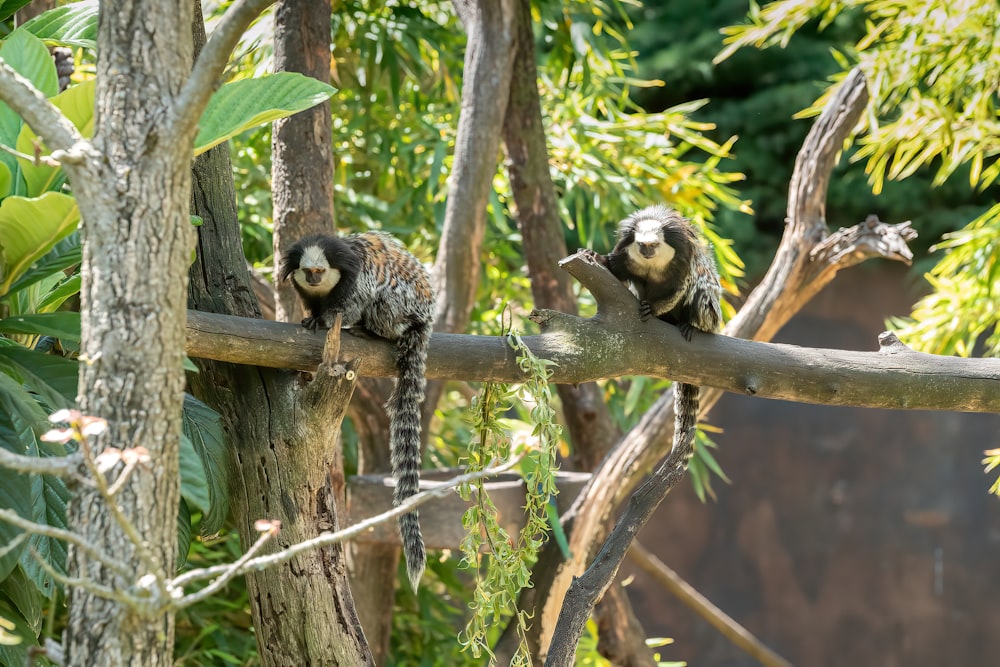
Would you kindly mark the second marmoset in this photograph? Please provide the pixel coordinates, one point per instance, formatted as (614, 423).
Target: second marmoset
(377, 285)
(672, 272)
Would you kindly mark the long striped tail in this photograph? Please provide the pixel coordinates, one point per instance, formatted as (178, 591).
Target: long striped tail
(404, 411)
(685, 418)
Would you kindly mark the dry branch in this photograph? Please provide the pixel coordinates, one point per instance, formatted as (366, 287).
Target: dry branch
(592, 349)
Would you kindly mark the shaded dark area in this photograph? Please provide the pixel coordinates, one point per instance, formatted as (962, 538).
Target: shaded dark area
(848, 536)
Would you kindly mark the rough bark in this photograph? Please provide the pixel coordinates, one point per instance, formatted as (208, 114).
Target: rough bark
(282, 436)
(132, 318)
(584, 411)
(302, 146)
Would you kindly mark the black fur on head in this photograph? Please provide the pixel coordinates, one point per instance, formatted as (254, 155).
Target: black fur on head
(339, 255)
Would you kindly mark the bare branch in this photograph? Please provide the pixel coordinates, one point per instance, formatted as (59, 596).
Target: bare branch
(83, 583)
(57, 466)
(326, 539)
(15, 519)
(231, 571)
(727, 626)
(43, 117)
(206, 73)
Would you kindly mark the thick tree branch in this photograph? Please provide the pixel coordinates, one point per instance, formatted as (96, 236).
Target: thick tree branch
(206, 73)
(586, 350)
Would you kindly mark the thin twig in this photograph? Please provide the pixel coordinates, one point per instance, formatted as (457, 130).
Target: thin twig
(84, 583)
(15, 519)
(327, 539)
(57, 466)
(233, 570)
(131, 532)
(47, 160)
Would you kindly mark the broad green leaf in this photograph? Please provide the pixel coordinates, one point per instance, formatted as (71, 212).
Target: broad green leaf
(29, 228)
(62, 324)
(17, 412)
(5, 180)
(72, 25)
(26, 55)
(183, 532)
(50, 496)
(65, 254)
(8, 7)
(202, 427)
(194, 485)
(22, 593)
(240, 105)
(52, 377)
(16, 654)
(66, 289)
(77, 104)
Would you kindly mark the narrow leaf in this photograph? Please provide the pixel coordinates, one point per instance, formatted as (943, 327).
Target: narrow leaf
(71, 25)
(62, 324)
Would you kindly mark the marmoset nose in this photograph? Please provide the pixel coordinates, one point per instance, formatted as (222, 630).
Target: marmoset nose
(647, 250)
(314, 276)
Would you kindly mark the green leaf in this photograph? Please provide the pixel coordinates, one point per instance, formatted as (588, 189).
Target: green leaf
(52, 377)
(50, 496)
(77, 104)
(194, 484)
(26, 55)
(73, 25)
(65, 254)
(62, 324)
(202, 426)
(22, 593)
(29, 228)
(5, 180)
(18, 653)
(183, 532)
(8, 7)
(246, 103)
(17, 412)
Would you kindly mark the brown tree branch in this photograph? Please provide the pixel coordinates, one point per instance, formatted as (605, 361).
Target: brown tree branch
(686, 593)
(586, 350)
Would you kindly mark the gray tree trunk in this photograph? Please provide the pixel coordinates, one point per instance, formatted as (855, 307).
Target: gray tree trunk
(135, 259)
(283, 435)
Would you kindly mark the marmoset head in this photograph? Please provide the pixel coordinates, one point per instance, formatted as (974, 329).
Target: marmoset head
(315, 263)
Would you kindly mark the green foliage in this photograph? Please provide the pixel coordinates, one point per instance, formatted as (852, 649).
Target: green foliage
(503, 565)
(991, 461)
(216, 631)
(73, 25)
(933, 70)
(240, 105)
(961, 313)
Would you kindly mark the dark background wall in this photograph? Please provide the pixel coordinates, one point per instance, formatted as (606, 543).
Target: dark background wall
(848, 536)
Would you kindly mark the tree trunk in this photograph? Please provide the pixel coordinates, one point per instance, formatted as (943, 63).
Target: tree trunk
(133, 315)
(284, 444)
(301, 145)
